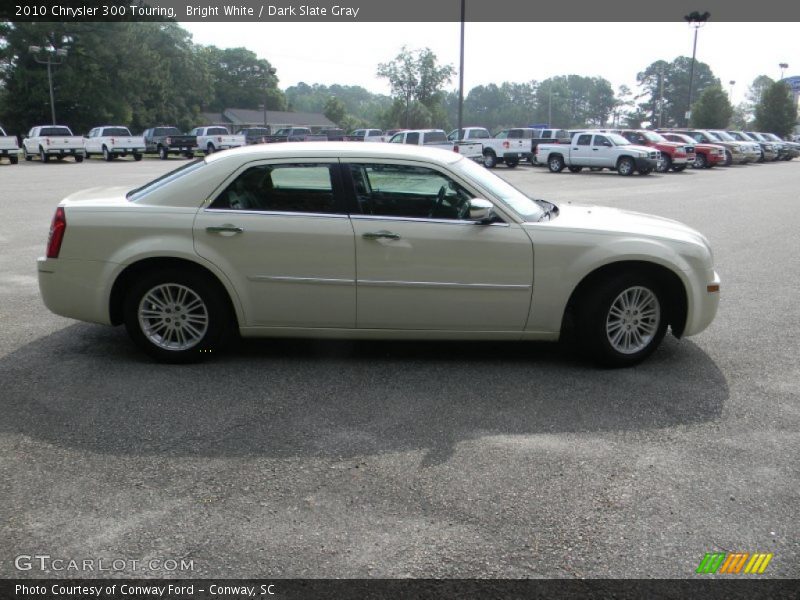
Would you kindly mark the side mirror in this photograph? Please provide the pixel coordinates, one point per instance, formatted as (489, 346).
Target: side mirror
(481, 210)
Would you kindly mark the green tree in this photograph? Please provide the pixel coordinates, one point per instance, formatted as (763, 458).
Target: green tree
(335, 111)
(239, 79)
(416, 76)
(713, 110)
(776, 113)
(672, 81)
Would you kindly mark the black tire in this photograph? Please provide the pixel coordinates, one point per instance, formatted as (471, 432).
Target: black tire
(28, 157)
(489, 159)
(13, 159)
(600, 322)
(700, 161)
(213, 308)
(575, 169)
(511, 163)
(107, 156)
(678, 168)
(728, 159)
(210, 149)
(78, 158)
(163, 154)
(626, 166)
(86, 154)
(665, 164)
(43, 156)
(190, 155)
(555, 163)
(645, 171)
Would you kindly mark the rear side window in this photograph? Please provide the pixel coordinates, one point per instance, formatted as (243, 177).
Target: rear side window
(584, 140)
(296, 188)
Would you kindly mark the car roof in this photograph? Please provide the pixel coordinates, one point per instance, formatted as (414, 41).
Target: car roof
(337, 149)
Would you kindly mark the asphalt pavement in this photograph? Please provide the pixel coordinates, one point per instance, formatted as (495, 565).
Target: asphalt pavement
(396, 459)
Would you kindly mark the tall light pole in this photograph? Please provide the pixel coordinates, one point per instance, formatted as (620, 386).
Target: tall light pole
(661, 97)
(461, 75)
(695, 20)
(270, 71)
(50, 56)
(783, 67)
(730, 93)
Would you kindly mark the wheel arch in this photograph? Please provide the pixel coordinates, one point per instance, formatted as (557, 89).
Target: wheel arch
(671, 284)
(126, 278)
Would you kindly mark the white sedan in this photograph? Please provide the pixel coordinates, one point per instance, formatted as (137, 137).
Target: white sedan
(369, 241)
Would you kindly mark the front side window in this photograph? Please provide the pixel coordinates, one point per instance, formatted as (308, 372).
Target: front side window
(390, 190)
(300, 188)
(412, 138)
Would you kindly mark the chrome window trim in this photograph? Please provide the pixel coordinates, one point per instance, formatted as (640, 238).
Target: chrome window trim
(276, 213)
(360, 217)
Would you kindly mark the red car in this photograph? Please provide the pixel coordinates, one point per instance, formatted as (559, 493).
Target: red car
(706, 155)
(675, 156)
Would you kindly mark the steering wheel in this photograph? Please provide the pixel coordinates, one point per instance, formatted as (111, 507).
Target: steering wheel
(438, 203)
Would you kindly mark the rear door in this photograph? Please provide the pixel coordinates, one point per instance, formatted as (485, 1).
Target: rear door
(279, 231)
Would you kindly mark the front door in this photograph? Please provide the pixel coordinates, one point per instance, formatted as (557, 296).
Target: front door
(423, 265)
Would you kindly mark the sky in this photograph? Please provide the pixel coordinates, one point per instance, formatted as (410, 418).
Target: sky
(348, 53)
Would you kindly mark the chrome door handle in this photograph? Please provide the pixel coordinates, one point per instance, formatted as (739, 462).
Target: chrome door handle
(224, 229)
(375, 235)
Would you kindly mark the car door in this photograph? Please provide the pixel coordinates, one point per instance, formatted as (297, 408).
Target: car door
(602, 152)
(581, 151)
(278, 230)
(422, 264)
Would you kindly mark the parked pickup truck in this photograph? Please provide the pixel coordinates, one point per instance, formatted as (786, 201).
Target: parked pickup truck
(509, 146)
(9, 148)
(598, 151)
(215, 138)
(295, 134)
(52, 140)
(436, 138)
(548, 136)
(169, 140)
(112, 141)
(254, 135)
(367, 135)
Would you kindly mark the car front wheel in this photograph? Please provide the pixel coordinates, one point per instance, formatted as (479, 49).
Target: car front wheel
(623, 320)
(176, 316)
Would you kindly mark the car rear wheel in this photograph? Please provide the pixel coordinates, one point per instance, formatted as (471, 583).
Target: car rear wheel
(79, 158)
(728, 158)
(107, 156)
(575, 169)
(555, 164)
(489, 159)
(43, 156)
(137, 156)
(622, 320)
(163, 154)
(13, 159)
(176, 316)
(511, 162)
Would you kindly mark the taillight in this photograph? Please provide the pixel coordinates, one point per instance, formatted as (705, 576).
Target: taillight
(168, 141)
(46, 141)
(455, 149)
(57, 229)
(506, 144)
(219, 140)
(112, 141)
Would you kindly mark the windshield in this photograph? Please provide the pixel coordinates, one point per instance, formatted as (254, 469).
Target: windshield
(724, 136)
(141, 192)
(521, 204)
(757, 136)
(654, 137)
(713, 136)
(772, 136)
(617, 139)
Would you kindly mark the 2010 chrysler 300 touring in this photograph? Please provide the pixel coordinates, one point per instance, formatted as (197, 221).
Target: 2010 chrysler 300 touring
(368, 241)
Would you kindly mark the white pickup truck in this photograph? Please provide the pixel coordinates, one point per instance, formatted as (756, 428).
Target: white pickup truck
(598, 151)
(366, 135)
(211, 139)
(52, 140)
(505, 147)
(9, 148)
(112, 141)
(436, 138)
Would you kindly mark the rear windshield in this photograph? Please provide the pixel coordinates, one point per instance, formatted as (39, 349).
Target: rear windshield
(217, 131)
(182, 171)
(55, 131)
(167, 131)
(116, 131)
(435, 137)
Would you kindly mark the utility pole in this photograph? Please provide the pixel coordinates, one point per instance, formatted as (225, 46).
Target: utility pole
(695, 20)
(461, 75)
(50, 56)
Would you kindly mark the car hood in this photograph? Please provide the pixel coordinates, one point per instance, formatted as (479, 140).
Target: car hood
(603, 219)
(646, 149)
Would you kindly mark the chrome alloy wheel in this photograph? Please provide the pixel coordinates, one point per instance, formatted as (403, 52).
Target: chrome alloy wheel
(173, 317)
(633, 320)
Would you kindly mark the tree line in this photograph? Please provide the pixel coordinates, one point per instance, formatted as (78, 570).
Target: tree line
(146, 73)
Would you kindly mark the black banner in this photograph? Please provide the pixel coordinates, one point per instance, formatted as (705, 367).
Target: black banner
(422, 589)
